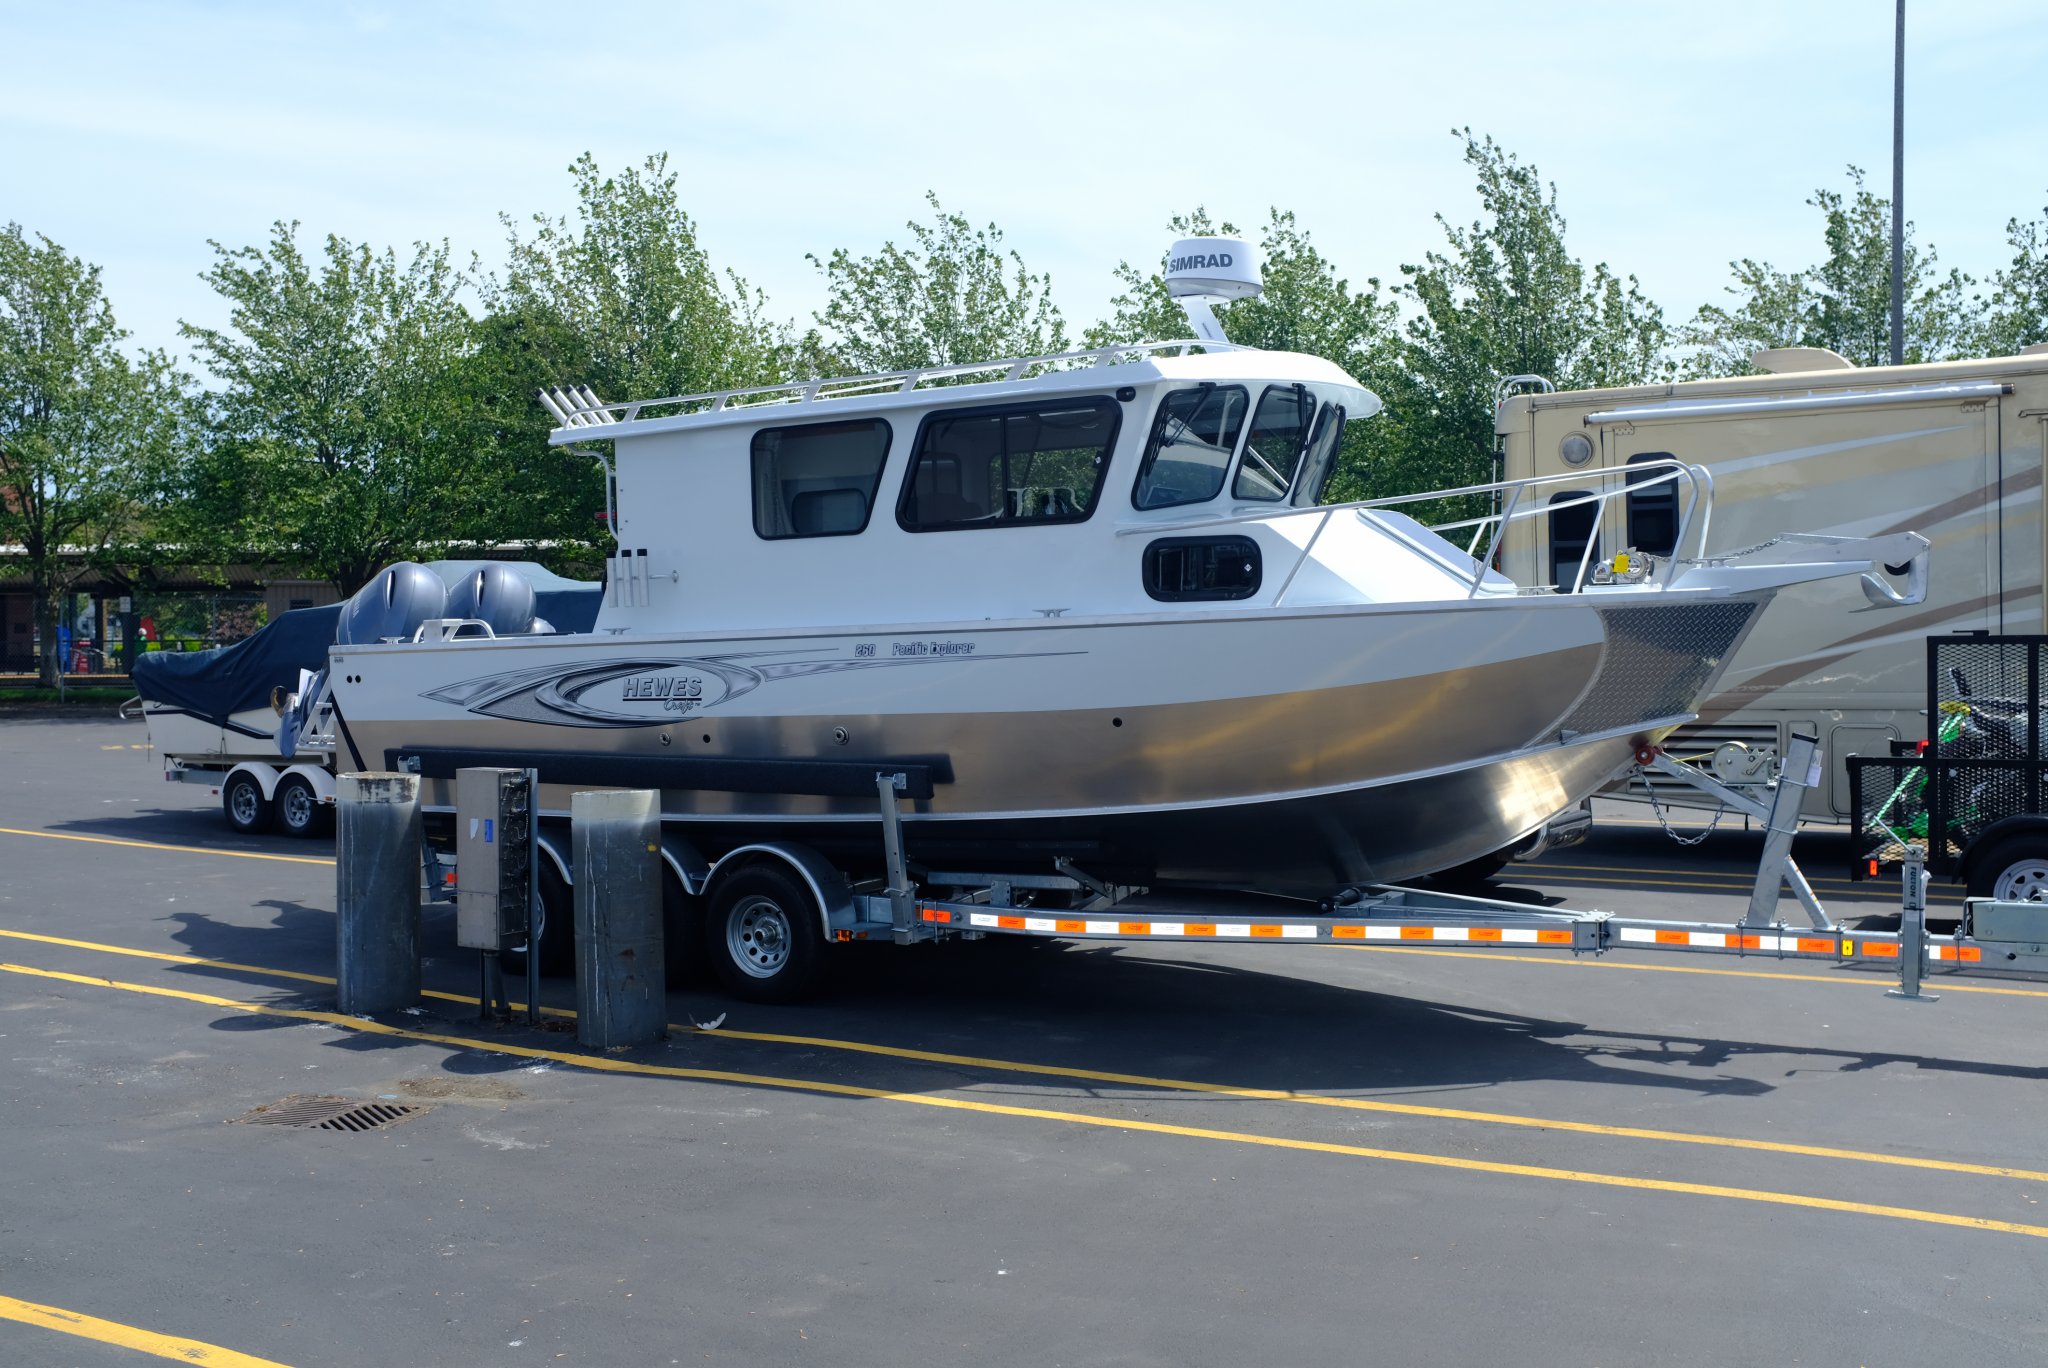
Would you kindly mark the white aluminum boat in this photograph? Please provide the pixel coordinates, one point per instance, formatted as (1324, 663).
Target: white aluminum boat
(1088, 607)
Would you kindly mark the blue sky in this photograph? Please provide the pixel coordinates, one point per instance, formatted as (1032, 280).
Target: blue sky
(1679, 135)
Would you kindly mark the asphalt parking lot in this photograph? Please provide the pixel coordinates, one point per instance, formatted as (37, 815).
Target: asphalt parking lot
(1163, 1154)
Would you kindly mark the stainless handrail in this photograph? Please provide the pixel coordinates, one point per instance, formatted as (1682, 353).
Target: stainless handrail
(1696, 504)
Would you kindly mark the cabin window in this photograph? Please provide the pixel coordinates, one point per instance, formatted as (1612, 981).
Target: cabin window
(1279, 431)
(1006, 467)
(1571, 530)
(1193, 439)
(1652, 512)
(1320, 462)
(1184, 569)
(817, 480)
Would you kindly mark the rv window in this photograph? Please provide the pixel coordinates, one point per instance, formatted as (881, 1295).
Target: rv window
(1279, 431)
(817, 480)
(1321, 461)
(1003, 467)
(1184, 569)
(1570, 530)
(1192, 441)
(1652, 512)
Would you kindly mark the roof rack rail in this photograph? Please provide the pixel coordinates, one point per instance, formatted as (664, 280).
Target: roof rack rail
(579, 408)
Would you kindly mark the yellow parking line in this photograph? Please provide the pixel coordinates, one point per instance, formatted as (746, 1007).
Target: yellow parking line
(177, 849)
(127, 1336)
(609, 1064)
(998, 1065)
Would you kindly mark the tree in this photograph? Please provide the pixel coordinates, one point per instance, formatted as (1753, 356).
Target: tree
(626, 300)
(85, 429)
(1843, 303)
(2016, 314)
(952, 297)
(346, 432)
(1505, 298)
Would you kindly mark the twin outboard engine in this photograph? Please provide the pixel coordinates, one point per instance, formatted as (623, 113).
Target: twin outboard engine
(495, 595)
(392, 606)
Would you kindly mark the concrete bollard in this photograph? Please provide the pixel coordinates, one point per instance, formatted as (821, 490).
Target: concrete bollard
(377, 892)
(621, 992)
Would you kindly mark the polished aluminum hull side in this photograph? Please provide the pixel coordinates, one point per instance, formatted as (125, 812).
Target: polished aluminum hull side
(1297, 751)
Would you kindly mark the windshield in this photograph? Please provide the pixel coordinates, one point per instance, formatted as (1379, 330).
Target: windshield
(1191, 446)
(1279, 431)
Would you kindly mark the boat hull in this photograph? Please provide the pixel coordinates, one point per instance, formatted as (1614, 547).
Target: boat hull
(1295, 753)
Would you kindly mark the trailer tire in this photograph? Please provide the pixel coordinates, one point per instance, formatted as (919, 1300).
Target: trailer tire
(297, 807)
(762, 935)
(558, 927)
(1472, 873)
(242, 801)
(2012, 869)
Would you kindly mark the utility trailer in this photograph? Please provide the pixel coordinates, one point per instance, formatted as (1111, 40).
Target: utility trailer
(767, 915)
(1972, 794)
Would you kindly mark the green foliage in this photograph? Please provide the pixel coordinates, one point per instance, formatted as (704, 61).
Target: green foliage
(1505, 297)
(954, 296)
(625, 299)
(2016, 314)
(1844, 303)
(348, 433)
(86, 431)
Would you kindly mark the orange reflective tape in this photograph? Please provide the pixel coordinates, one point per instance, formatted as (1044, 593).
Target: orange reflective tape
(1969, 954)
(1134, 928)
(1265, 931)
(1010, 923)
(1809, 945)
(1483, 933)
(1199, 929)
(1880, 949)
(934, 914)
(1554, 937)
(1746, 942)
(1417, 933)
(1346, 933)
(1070, 926)
(1673, 938)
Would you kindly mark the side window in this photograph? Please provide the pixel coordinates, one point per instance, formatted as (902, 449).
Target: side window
(1321, 461)
(817, 480)
(1181, 569)
(1000, 467)
(1571, 530)
(1279, 432)
(1192, 441)
(1652, 512)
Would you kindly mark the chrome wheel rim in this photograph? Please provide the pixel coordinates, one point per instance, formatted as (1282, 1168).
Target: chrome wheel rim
(758, 937)
(2021, 880)
(245, 801)
(296, 806)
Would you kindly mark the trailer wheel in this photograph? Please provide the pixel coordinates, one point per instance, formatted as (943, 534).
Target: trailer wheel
(762, 936)
(298, 807)
(2014, 869)
(1472, 873)
(241, 798)
(558, 929)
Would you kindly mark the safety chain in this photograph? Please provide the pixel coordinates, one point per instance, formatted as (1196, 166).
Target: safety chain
(1665, 822)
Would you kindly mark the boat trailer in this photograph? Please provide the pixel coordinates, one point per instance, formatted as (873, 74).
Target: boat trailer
(943, 904)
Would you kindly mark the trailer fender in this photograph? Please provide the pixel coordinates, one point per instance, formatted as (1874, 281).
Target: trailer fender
(687, 863)
(320, 777)
(555, 848)
(266, 776)
(827, 884)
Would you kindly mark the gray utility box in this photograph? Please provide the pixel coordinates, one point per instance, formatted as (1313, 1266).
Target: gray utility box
(2012, 935)
(493, 858)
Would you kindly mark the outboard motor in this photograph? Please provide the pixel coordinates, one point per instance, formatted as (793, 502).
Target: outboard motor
(392, 606)
(496, 595)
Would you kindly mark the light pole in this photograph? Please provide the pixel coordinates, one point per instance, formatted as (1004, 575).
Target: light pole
(1899, 190)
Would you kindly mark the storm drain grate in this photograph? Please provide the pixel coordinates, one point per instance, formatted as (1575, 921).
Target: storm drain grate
(329, 1113)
